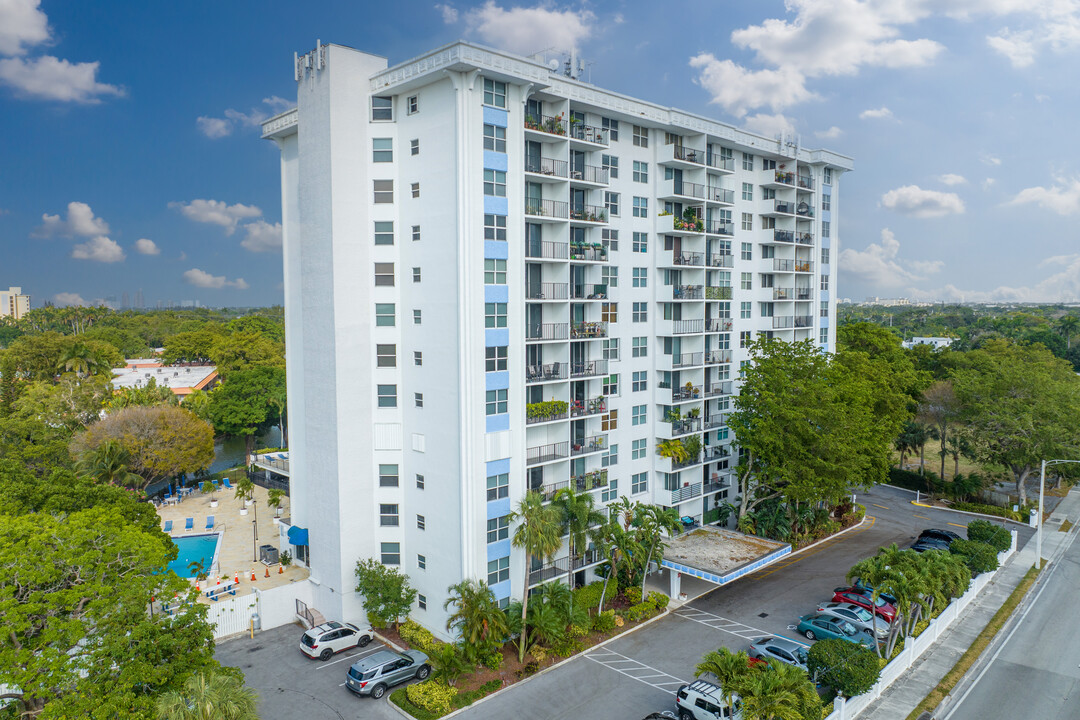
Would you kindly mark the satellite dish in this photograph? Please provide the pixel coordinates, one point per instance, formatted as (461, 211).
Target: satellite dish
(553, 64)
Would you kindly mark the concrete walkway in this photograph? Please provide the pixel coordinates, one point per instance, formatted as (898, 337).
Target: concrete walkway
(913, 686)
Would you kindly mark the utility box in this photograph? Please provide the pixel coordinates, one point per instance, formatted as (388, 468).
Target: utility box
(256, 621)
(268, 554)
(1033, 519)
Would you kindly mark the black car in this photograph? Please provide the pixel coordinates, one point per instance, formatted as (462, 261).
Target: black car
(946, 536)
(927, 543)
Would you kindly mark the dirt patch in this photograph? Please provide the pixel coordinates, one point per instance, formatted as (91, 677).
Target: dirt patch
(717, 550)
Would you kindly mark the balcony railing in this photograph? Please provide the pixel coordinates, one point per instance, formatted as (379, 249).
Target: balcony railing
(591, 253)
(685, 360)
(537, 332)
(720, 228)
(549, 571)
(718, 388)
(680, 152)
(718, 420)
(545, 249)
(804, 321)
(718, 324)
(686, 425)
(804, 238)
(687, 292)
(545, 412)
(783, 293)
(784, 206)
(804, 293)
(546, 166)
(686, 492)
(591, 368)
(592, 480)
(718, 293)
(687, 327)
(545, 373)
(589, 292)
(590, 173)
(720, 195)
(686, 392)
(547, 453)
(584, 330)
(785, 178)
(588, 133)
(590, 444)
(804, 210)
(588, 213)
(546, 208)
(546, 291)
(554, 125)
(584, 408)
(721, 261)
(806, 182)
(783, 322)
(717, 452)
(804, 266)
(719, 161)
(589, 557)
(715, 485)
(687, 189)
(688, 259)
(783, 265)
(784, 236)
(716, 357)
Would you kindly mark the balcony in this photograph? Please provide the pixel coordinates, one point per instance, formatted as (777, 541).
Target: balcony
(717, 484)
(674, 189)
(543, 332)
(783, 322)
(591, 174)
(718, 420)
(588, 213)
(585, 408)
(548, 124)
(717, 452)
(783, 236)
(804, 238)
(545, 373)
(804, 293)
(720, 228)
(687, 259)
(687, 292)
(588, 369)
(547, 250)
(687, 360)
(804, 210)
(782, 207)
(805, 182)
(550, 210)
(588, 330)
(804, 266)
(593, 480)
(804, 321)
(548, 167)
(589, 292)
(680, 156)
(717, 357)
(590, 557)
(783, 265)
(722, 196)
(547, 453)
(548, 411)
(713, 160)
(589, 445)
(668, 224)
(783, 293)
(780, 179)
(718, 388)
(588, 134)
(685, 426)
(685, 393)
(689, 491)
(717, 260)
(683, 327)
(546, 291)
(595, 252)
(549, 571)
(718, 293)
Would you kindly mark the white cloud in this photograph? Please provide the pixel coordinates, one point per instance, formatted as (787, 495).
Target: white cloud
(80, 222)
(203, 279)
(219, 127)
(882, 113)
(990, 159)
(145, 246)
(65, 299)
(1063, 197)
(1018, 47)
(213, 128)
(98, 249)
(279, 104)
(449, 13)
(527, 30)
(988, 183)
(951, 179)
(1063, 286)
(262, 236)
(217, 212)
(769, 125)
(739, 90)
(50, 78)
(913, 200)
(830, 134)
(22, 26)
(879, 264)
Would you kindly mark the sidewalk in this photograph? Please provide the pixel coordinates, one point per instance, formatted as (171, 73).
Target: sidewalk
(909, 690)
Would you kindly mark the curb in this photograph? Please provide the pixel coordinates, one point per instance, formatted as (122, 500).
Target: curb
(974, 514)
(386, 641)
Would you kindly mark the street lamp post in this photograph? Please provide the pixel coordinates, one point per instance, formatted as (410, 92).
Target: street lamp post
(254, 540)
(1042, 485)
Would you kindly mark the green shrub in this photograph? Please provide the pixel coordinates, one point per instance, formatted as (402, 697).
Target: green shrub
(416, 636)
(577, 631)
(987, 532)
(567, 646)
(907, 479)
(658, 599)
(432, 696)
(640, 611)
(527, 670)
(847, 667)
(987, 510)
(604, 622)
(633, 595)
(492, 660)
(979, 556)
(589, 596)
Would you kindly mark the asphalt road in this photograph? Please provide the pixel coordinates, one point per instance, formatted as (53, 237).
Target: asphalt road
(1036, 672)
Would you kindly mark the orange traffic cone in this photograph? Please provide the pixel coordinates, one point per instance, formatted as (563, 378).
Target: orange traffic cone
(280, 570)
(236, 577)
(253, 575)
(197, 586)
(267, 573)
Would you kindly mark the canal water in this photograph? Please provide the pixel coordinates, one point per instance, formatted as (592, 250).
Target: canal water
(229, 452)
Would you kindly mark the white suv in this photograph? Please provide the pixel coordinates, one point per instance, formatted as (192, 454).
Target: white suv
(701, 700)
(324, 640)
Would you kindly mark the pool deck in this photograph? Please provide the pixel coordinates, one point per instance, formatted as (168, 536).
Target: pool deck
(235, 553)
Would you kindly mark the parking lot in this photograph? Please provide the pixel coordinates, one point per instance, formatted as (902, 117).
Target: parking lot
(291, 685)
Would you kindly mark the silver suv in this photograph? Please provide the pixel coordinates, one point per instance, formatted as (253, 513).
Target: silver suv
(701, 700)
(378, 671)
(778, 648)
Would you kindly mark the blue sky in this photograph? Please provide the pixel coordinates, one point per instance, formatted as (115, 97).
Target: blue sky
(132, 159)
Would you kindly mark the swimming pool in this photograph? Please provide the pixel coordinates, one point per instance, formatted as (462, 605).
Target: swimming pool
(195, 548)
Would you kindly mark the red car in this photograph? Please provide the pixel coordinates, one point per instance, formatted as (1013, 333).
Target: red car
(862, 597)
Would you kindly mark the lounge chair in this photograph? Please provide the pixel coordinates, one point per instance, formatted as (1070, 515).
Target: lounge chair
(226, 483)
(168, 526)
(209, 522)
(189, 524)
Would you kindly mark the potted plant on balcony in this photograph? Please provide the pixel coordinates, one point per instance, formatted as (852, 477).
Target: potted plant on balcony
(692, 446)
(672, 449)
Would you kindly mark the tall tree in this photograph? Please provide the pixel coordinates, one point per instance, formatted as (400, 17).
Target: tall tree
(578, 514)
(940, 408)
(108, 463)
(192, 346)
(653, 523)
(618, 545)
(1068, 325)
(476, 619)
(209, 696)
(240, 407)
(538, 534)
(243, 350)
(728, 668)
(79, 359)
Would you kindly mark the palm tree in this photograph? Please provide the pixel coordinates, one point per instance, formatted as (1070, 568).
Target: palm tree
(476, 619)
(730, 670)
(626, 510)
(579, 513)
(1068, 325)
(653, 521)
(108, 463)
(617, 545)
(209, 696)
(79, 359)
(770, 696)
(538, 535)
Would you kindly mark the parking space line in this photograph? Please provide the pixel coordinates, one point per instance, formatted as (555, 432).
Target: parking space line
(357, 656)
(608, 658)
(956, 525)
(750, 633)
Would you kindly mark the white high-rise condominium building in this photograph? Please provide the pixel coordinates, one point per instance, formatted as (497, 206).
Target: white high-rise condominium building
(501, 279)
(13, 303)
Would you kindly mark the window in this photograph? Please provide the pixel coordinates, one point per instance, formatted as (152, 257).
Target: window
(384, 274)
(768, 194)
(609, 275)
(611, 457)
(494, 272)
(384, 191)
(610, 491)
(498, 486)
(391, 553)
(495, 358)
(495, 138)
(766, 309)
(746, 281)
(641, 381)
(824, 282)
(747, 161)
(388, 515)
(611, 349)
(416, 275)
(494, 315)
(417, 357)
(495, 183)
(824, 308)
(415, 187)
(421, 562)
(640, 347)
(641, 172)
(417, 316)
(609, 312)
(641, 207)
(421, 602)
(386, 356)
(388, 475)
(639, 414)
(641, 136)
(612, 126)
(421, 522)
(610, 239)
(747, 251)
(641, 312)
(387, 396)
(495, 227)
(745, 338)
(382, 149)
(639, 483)
(611, 164)
(826, 176)
(747, 191)
(611, 385)
(498, 571)
(824, 256)
(747, 221)
(382, 108)
(641, 242)
(384, 233)
(745, 309)
(825, 227)
(415, 232)
(414, 147)
(495, 403)
(637, 449)
(641, 277)
(767, 251)
(826, 202)
(419, 482)
(418, 399)
(498, 528)
(384, 314)
(494, 93)
(767, 164)
(413, 104)
(766, 280)
(823, 336)
(611, 202)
